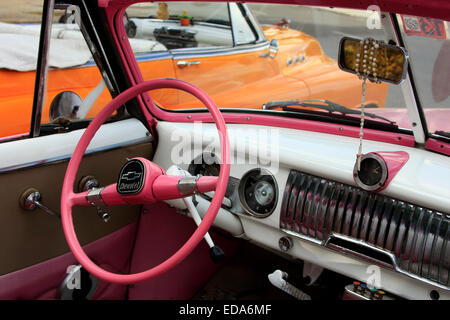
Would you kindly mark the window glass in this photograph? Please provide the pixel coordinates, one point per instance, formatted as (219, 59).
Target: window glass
(72, 73)
(18, 56)
(242, 32)
(167, 37)
(428, 44)
(161, 26)
(75, 87)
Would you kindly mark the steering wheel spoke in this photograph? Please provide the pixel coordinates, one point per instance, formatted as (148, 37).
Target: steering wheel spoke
(79, 199)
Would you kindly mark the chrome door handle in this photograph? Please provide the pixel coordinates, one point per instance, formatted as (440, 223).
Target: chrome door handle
(182, 64)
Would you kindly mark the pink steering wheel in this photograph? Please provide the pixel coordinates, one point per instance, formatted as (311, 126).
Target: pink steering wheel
(150, 184)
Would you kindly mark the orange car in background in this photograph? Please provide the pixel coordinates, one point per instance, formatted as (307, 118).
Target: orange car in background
(239, 63)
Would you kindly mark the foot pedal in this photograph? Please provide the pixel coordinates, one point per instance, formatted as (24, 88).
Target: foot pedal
(278, 279)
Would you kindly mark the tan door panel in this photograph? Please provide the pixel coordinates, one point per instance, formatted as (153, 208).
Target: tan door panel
(30, 237)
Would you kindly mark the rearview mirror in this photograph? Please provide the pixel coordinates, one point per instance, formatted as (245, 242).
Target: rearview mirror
(391, 61)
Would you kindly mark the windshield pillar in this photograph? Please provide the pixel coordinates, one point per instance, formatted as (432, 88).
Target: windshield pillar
(42, 68)
(413, 111)
(418, 124)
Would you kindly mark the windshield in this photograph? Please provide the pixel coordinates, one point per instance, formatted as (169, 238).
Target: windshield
(247, 55)
(428, 43)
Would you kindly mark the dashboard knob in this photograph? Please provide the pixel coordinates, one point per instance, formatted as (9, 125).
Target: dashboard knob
(285, 243)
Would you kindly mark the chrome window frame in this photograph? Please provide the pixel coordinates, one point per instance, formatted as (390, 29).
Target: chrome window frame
(40, 85)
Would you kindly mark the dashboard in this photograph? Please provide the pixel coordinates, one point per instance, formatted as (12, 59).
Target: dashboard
(298, 192)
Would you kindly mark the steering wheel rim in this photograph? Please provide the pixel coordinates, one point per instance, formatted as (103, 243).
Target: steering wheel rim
(68, 196)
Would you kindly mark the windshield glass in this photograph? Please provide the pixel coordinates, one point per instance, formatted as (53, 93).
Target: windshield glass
(247, 55)
(428, 44)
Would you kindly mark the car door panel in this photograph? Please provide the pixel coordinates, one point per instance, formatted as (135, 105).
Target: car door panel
(31, 237)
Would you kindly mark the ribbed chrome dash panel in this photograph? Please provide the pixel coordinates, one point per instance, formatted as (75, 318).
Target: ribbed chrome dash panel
(415, 238)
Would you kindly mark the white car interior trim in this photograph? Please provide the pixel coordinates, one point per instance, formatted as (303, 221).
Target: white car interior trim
(424, 180)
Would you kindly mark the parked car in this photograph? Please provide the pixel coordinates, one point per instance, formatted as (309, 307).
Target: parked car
(306, 198)
(268, 63)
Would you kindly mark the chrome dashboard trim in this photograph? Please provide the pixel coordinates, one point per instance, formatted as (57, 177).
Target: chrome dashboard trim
(94, 197)
(361, 243)
(362, 257)
(414, 240)
(68, 156)
(302, 236)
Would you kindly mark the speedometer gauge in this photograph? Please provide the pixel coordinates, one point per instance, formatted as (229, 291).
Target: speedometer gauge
(258, 192)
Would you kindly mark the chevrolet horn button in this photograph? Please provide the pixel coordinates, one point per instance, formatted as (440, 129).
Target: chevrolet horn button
(131, 177)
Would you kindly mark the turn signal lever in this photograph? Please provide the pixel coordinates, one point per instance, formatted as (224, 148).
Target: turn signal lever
(215, 252)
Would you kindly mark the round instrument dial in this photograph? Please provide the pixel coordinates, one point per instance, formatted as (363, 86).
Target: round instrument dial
(258, 192)
(373, 172)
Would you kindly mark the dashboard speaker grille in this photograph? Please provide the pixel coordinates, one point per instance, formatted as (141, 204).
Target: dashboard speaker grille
(416, 239)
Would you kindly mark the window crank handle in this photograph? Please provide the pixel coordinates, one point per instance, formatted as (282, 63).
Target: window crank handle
(31, 199)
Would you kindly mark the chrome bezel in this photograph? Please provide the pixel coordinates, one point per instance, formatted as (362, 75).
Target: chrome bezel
(384, 173)
(241, 194)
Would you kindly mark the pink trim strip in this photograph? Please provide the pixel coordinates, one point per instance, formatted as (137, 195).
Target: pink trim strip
(394, 162)
(438, 146)
(301, 124)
